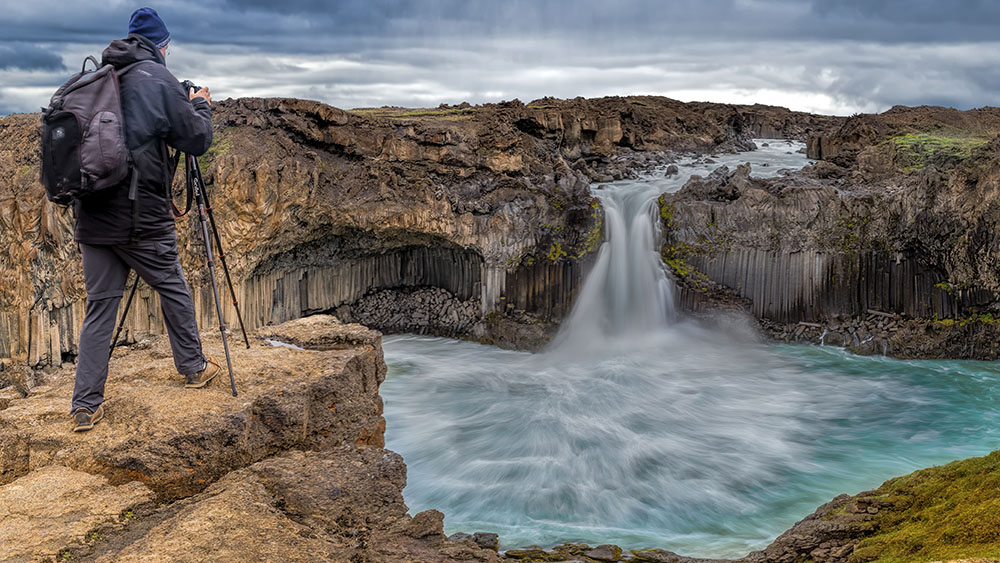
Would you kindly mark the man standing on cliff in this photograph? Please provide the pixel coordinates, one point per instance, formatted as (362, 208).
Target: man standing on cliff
(117, 235)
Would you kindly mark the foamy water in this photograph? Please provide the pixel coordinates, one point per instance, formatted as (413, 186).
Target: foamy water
(639, 428)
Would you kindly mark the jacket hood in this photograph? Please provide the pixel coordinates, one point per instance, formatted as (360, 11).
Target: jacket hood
(134, 48)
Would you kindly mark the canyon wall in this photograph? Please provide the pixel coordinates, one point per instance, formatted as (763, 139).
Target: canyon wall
(469, 221)
(901, 222)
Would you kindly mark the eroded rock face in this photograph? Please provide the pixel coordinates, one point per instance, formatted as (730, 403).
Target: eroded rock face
(337, 505)
(47, 510)
(292, 470)
(176, 441)
(892, 233)
(322, 209)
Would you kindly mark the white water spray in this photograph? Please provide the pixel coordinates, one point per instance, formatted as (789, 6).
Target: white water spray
(642, 429)
(627, 292)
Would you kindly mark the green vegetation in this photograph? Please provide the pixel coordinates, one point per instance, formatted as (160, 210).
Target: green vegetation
(666, 212)
(975, 318)
(941, 513)
(916, 151)
(675, 256)
(595, 235)
(220, 146)
(555, 252)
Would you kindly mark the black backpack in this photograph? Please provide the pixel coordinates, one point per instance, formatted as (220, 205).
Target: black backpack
(83, 135)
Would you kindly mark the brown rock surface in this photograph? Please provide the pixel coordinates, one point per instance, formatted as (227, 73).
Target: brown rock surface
(177, 440)
(321, 209)
(907, 227)
(291, 470)
(47, 510)
(343, 504)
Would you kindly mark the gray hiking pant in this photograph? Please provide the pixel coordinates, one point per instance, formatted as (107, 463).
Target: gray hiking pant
(105, 271)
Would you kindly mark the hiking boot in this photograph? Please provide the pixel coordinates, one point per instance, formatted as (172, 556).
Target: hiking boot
(200, 379)
(84, 420)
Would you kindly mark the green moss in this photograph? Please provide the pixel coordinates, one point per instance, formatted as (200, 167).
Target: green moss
(915, 151)
(220, 146)
(24, 171)
(596, 233)
(973, 319)
(555, 252)
(679, 266)
(666, 212)
(984, 318)
(941, 513)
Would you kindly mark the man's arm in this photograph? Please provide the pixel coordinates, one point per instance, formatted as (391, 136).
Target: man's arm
(190, 120)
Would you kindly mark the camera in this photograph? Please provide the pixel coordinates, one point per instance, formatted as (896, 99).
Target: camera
(188, 85)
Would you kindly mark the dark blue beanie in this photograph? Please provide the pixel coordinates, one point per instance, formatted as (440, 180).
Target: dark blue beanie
(147, 23)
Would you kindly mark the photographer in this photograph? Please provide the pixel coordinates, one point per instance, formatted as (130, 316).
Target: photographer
(117, 233)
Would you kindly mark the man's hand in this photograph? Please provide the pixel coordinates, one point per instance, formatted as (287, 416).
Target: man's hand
(203, 93)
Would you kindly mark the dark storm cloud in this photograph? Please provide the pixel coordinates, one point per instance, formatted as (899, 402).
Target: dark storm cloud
(28, 57)
(820, 55)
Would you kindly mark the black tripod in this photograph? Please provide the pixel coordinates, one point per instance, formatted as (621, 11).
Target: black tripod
(196, 191)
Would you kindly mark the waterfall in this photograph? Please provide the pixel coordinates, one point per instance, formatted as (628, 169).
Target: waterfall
(628, 291)
(643, 429)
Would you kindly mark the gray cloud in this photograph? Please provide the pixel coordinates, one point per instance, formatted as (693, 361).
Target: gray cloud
(825, 56)
(26, 56)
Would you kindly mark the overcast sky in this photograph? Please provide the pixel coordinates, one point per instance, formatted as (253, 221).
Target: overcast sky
(824, 56)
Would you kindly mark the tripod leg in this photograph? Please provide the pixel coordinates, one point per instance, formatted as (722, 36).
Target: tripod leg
(121, 325)
(200, 196)
(222, 254)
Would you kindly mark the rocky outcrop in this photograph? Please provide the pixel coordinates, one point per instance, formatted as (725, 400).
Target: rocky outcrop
(843, 142)
(907, 229)
(293, 469)
(323, 210)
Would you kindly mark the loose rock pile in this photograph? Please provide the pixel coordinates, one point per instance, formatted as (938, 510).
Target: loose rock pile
(430, 310)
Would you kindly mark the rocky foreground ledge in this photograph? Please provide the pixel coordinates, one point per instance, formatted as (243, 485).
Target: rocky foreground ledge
(294, 469)
(291, 470)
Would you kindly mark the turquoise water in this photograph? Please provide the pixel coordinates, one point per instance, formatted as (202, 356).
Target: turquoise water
(703, 443)
(643, 430)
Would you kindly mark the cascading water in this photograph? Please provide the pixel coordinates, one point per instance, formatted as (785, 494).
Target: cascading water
(646, 430)
(627, 292)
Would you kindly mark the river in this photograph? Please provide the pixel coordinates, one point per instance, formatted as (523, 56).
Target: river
(644, 429)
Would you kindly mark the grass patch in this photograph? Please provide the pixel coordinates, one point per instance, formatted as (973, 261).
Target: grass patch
(941, 513)
(220, 146)
(916, 151)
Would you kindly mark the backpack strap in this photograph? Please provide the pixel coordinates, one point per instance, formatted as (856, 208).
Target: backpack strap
(133, 187)
(133, 192)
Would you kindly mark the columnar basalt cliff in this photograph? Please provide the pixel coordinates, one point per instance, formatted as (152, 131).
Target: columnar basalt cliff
(890, 246)
(469, 221)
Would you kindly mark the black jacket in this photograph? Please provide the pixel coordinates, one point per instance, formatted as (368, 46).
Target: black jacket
(157, 113)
